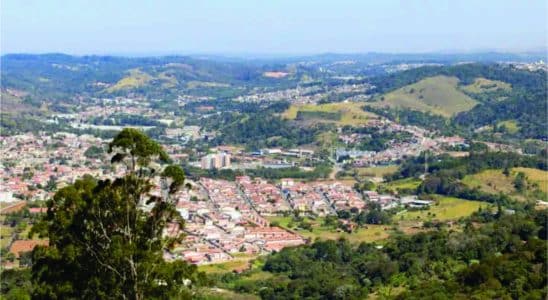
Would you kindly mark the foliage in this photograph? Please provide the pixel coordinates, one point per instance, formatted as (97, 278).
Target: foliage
(94, 152)
(510, 251)
(102, 244)
(15, 284)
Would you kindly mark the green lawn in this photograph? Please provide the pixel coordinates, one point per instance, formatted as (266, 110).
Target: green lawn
(445, 208)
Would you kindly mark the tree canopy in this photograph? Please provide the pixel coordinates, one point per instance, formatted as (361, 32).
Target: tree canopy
(106, 237)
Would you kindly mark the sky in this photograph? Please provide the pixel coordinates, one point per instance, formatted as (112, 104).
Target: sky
(271, 27)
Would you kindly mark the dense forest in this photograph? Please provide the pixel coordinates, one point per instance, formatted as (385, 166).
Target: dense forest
(502, 258)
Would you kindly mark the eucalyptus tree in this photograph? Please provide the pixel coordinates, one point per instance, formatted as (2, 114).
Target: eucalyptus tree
(104, 244)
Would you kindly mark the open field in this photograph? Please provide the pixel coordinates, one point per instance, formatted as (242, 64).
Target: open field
(236, 263)
(15, 105)
(494, 182)
(439, 95)
(535, 175)
(445, 208)
(204, 84)
(370, 234)
(379, 171)
(341, 113)
(136, 78)
(5, 235)
(491, 181)
(407, 183)
(511, 126)
(482, 85)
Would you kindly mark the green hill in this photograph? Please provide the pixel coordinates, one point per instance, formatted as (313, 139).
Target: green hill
(483, 85)
(439, 95)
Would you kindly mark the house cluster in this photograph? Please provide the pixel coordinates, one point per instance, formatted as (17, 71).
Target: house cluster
(321, 198)
(421, 140)
(34, 165)
(226, 221)
(308, 94)
(265, 197)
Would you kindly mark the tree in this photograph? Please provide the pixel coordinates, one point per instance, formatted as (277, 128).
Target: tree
(94, 152)
(104, 244)
(520, 182)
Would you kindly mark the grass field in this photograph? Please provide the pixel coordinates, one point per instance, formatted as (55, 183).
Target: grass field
(535, 175)
(511, 126)
(205, 84)
(370, 234)
(439, 95)
(482, 85)
(5, 234)
(135, 79)
(350, 113)
(445, 208)
(407, 183)
(224, 267)
(379, 171)
(491, 181)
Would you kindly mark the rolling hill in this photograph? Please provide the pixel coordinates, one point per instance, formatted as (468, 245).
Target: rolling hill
(438, 95)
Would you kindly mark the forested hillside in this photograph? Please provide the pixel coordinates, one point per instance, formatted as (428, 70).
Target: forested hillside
(523, 103)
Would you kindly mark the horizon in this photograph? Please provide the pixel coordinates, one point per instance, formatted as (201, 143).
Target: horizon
(276, 29)
(273, 55)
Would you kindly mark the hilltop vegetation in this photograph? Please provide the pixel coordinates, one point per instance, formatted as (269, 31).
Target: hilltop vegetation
(338, 113)
(438, 95)
(483, 85)
(56, 77)
(503, 94)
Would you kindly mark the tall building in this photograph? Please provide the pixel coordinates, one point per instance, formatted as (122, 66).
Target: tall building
(215, 161)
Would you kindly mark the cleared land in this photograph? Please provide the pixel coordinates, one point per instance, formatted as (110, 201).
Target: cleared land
(204, 84)
(136, 78)
(511, 126)
(445, 208)
(379, 171)
(439, 95)
(494, 181)
(491, 181)
(341, 113)
(14, 105)
(535, 175)
(319, 231)
(240, 261)
(483, 85)
(5, 235)
(407, 183)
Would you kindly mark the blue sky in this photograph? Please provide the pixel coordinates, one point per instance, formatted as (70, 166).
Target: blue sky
(270, 27)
